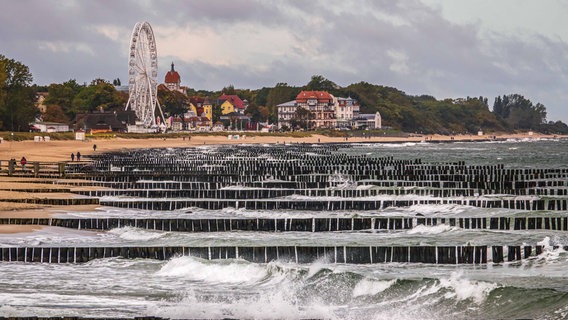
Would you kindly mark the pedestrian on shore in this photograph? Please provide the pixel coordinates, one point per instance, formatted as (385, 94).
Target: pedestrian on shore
(78, 156)
(72, 157)
(94, 147)
(23, 161)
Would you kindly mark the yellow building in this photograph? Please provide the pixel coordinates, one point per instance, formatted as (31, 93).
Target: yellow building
(227, 107)
(193, 108)
(208, 110)
(201, 107)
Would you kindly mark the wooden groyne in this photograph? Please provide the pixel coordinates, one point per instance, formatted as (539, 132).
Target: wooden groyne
(330, 205)
(558, 223)
(304, 177)
(297, 254)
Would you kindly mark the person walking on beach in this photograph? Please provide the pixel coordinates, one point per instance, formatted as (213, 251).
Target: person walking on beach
(78, 156)
(23, 161)
(94, 147)
(72, 157)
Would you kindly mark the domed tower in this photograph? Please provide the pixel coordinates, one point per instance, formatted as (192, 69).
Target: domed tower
(173, 80)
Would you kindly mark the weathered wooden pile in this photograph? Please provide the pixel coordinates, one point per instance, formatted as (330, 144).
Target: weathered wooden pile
(296, 254)
(559, 223)
(306, 177)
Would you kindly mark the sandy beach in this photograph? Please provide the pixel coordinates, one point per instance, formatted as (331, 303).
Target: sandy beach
(53, 151)
(61, 150)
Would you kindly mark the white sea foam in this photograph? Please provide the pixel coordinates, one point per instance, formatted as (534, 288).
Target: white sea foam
(461, 288)
(279, 303)
(437, 229)
(226, 271)
(48, 235)
(135, 234)
(434, 209)
(549, 253)
(371, 287)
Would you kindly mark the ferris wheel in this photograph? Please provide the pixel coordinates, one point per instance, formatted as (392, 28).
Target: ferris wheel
(142, 73)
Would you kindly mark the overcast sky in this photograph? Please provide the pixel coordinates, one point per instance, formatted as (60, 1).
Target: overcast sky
(443, 48)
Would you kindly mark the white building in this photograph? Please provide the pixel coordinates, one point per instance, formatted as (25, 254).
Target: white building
(326, 110)
(346, 111)
(369, 120)
(49, 127)
(286, 112)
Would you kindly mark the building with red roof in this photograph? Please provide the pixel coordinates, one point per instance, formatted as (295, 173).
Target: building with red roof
(325, 111)
(321, 105)
(173, 80)
(238, 104)
(314, 97)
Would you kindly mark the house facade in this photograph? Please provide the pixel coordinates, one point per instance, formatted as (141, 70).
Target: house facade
(227, 107)
(346, 111)
(42, 126)
(369, 121)
(321, 106)
(232, 102)
(286, 112)
(201, 107)
(325, 111)
(100, 122)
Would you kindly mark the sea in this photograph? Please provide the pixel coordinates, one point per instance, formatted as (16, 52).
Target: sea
(186, 287)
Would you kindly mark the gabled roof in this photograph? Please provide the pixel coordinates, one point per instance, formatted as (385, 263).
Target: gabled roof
(115, 120)
(172, 76)
(234, 100)
(368, 116)
(288, 104)
(321, 96)
(196, 101)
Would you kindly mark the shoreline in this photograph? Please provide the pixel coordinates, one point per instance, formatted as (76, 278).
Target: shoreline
(61, 150)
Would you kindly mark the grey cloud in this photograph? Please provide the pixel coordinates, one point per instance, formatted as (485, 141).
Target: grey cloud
(358, 40)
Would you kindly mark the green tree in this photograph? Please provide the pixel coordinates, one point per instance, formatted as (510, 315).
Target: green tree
(319, 83)
(257, 113)
(174, 103)
(281, 93)
(262, 96)
(302, 119)
(216, 113)
(229, 90)
(54, 113)
(17, 108)
(100, 95)
(517, 112)
(62, 95)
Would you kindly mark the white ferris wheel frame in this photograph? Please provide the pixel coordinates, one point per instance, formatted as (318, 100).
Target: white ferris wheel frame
(142, 73)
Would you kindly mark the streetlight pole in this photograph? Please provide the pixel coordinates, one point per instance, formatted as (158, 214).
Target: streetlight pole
(11, 141)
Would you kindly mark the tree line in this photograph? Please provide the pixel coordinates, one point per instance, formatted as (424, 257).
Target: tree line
(400, 111)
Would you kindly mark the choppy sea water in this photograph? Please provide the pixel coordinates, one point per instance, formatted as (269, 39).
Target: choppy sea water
(189, 287)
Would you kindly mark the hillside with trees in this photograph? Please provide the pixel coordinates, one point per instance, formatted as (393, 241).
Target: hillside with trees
(399, 111)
